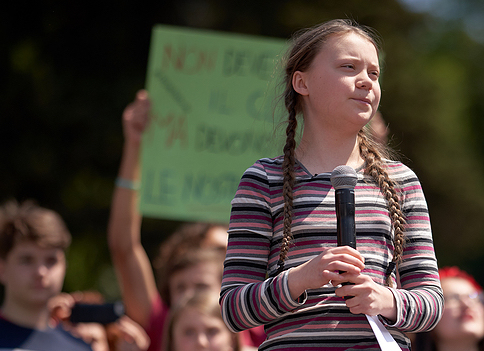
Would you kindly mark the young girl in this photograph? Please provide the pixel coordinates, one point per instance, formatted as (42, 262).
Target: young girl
(283, 267)
(196, 324)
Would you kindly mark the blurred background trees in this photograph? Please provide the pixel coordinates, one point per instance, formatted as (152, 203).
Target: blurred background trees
(68, 70)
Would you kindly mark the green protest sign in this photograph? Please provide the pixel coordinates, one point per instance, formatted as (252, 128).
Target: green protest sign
(213, 97)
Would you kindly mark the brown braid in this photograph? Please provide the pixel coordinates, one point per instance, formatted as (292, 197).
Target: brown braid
(374, 167)
(288, 174)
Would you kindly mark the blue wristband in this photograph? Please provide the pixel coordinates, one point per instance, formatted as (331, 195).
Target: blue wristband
(127, 184)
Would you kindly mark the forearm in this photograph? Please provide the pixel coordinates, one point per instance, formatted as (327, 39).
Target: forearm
(125, 221)
(138, 287)
(129, 257)
(269, 299)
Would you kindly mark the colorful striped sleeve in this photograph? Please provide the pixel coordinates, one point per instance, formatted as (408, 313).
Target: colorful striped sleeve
(248, 299)
(419, 298)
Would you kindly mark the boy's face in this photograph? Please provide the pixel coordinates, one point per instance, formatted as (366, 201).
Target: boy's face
(32, 274)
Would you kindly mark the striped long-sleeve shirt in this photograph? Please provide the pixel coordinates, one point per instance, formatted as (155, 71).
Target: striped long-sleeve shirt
(318, 319)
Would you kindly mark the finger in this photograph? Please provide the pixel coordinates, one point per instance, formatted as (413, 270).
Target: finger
(338, 283)
(343, 264)
(345, 290)
(140, 111)
(359, 279)
(142, 94)
(128, 112)
(334, 278)
(353, 306)
(344, 255)
(357, 306)
(133, 331)
(351, 251)
(142, 101)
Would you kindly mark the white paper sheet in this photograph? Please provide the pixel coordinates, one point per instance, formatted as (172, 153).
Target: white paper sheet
(385, 339)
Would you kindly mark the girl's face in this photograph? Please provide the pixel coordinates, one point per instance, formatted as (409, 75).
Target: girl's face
(341, 86)
(194, 330)
(203, 276)
(463, 316)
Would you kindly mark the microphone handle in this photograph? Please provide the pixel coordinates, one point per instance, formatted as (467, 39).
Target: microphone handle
(345, 215)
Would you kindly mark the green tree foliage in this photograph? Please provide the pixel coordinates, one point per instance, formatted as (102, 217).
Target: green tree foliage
(68, 69)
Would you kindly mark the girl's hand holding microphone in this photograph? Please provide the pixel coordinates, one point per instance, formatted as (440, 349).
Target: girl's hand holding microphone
(365, 296)
(325, 268)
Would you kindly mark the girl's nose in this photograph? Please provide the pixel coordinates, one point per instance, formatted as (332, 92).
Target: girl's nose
(41, 269)
(364, 81)
(202, 340)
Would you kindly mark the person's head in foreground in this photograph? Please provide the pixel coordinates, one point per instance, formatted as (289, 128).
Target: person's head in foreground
(32, 260)
(196, 324)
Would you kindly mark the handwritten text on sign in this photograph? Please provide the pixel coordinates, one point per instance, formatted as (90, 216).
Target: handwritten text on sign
(213, 116)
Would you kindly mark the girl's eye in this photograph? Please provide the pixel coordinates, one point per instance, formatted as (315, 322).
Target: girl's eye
(26, 260)
(189, 332)
(348, 66)
(213, 331)
(51, 261)
(376, 74)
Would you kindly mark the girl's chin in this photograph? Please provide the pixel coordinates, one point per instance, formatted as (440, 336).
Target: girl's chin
(470, 330)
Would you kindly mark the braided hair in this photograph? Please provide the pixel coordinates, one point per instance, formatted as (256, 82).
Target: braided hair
(306, 45)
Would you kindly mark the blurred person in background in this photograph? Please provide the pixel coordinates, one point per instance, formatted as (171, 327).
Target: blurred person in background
(104, 329)
(33, 241)
(196, 323)
(462, 325)
(379, 128)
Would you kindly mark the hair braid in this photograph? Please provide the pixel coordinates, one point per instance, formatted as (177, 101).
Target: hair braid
(375, 169)
(288, 176)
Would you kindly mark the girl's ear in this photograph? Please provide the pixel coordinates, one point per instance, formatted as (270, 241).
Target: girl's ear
(299, 83)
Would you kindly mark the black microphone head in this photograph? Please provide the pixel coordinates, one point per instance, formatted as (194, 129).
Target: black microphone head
(344, 177)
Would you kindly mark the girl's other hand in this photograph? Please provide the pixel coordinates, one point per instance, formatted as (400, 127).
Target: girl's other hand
(367, 297)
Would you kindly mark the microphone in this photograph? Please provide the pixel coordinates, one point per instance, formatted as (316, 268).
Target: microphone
(343, 179)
